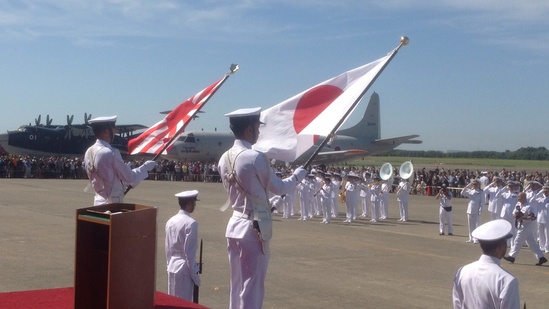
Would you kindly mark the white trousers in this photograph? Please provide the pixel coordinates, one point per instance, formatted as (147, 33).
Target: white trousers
(403, 208)
(526, 234)
(445, 217)
(248, 272)
(180, 285)
(472, 220)
(543, 231)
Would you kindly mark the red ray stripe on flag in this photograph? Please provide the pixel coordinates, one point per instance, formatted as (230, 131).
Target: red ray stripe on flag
(155, 138)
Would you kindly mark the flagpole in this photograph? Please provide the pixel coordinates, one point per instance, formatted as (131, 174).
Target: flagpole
(403, 41)
(232, 69)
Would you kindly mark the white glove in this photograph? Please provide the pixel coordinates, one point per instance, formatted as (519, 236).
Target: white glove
(149, 165)
(300, 173)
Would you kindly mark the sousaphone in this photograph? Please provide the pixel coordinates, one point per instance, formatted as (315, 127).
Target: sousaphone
(386, 171)
(406, 170)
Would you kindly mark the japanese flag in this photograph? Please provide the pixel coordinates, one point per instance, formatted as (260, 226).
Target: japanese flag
(293, 126)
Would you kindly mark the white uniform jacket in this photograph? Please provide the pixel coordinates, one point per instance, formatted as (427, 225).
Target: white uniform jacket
(108, 173)
(484, 284)
(253, 173)
(476, 200)
(181, 245)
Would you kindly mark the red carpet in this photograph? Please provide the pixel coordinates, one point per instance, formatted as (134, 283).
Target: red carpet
(63, 298)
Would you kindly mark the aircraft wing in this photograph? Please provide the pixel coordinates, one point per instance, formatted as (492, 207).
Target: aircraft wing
(129, 127)
(339, 155)
(398, 140)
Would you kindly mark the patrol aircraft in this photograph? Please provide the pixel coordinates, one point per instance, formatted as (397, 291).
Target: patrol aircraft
(61, 140)
(360, 140)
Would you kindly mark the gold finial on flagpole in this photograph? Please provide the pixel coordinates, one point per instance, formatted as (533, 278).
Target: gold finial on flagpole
(404, 40)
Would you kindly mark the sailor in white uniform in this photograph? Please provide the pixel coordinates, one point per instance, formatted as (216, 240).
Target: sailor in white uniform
(248, 178)
(543, 219)
(484, 284)
(495, 203)
(181, 246)
(525, 222)
(109, 175)
(474, 207)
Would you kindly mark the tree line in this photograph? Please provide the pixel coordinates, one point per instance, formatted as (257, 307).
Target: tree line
(525, 153)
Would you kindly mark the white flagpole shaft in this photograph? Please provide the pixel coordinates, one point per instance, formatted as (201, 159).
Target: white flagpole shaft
(403, 41)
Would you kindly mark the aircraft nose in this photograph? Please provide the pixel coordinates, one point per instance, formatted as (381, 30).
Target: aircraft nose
(3, 138)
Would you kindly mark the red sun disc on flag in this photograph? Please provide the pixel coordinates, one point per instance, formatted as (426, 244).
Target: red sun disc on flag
(312, 103)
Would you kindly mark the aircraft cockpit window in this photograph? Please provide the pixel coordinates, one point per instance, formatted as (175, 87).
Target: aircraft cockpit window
(22, 129)
(189, 139)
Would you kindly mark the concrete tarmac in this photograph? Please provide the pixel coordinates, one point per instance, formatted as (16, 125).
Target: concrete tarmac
(388, 264)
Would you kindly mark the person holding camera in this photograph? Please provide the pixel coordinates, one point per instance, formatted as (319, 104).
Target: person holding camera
(525, 216)
(445, 211)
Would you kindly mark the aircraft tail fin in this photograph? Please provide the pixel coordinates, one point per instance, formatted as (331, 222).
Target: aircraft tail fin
(369, 126)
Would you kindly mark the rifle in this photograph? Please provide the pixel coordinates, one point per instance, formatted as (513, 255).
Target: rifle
(196, 287)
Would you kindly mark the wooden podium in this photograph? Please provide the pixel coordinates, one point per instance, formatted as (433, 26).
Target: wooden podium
(115, 257)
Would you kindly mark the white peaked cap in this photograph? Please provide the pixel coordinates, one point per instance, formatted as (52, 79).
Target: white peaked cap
(493, 230)
(187, 194)
(244, 112)
(102, 119)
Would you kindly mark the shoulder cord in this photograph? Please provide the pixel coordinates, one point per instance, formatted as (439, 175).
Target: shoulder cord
(233, 175)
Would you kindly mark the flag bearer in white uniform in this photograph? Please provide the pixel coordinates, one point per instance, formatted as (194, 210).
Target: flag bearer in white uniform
(484, 284)
(109, 175)
(247, 179)
(525, 222)
(181, 246)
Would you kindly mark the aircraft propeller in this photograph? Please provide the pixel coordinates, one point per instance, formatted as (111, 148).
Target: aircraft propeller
(37, 120)
(86, 124)
(48, 120)
(68, 135)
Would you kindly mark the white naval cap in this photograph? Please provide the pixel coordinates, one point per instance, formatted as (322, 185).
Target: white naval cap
(102, 119)
(187, 194)
(493, 230)
(244, 112)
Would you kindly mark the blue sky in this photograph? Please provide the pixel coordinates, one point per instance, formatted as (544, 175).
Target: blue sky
(473, 77)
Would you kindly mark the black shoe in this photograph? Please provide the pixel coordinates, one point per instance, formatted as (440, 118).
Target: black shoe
(441, 233)
(541, 261)
(450, 234)
(512, 259)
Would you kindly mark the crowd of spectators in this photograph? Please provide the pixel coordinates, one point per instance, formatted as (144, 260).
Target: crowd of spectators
(72, 168)
(424, 182)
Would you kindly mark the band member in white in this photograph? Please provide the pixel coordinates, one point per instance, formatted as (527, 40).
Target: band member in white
(247, 178)
(403, 194)
(352, 191)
